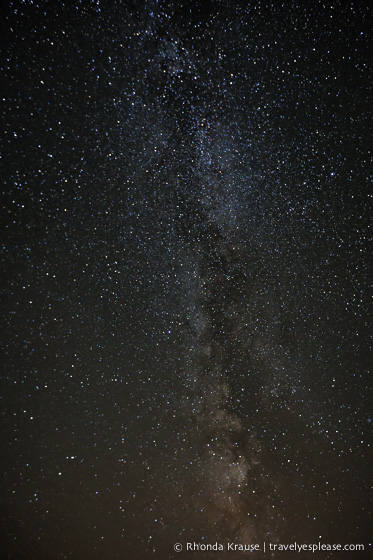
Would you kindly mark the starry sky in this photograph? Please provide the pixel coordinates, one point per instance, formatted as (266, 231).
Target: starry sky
(185, 276)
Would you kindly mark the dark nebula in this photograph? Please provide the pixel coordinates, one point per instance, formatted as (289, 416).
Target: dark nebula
(185, 278)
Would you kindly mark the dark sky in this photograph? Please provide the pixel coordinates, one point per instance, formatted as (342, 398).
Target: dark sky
(185, 277)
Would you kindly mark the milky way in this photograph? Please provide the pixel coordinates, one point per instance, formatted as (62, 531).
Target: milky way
(185, 278)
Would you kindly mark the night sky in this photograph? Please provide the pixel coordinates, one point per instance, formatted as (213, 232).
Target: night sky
(185, 278)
